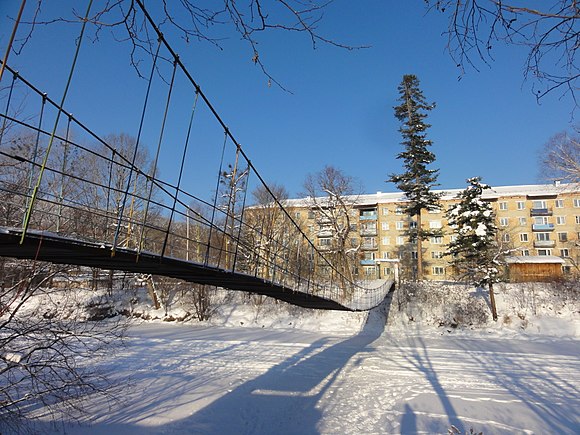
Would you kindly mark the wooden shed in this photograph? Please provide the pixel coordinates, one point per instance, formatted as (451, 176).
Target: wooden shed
(534, 268)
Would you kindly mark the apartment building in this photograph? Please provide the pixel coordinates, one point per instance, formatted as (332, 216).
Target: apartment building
(533, 220)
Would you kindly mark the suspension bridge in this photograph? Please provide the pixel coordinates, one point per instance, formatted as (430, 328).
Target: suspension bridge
(71, 196)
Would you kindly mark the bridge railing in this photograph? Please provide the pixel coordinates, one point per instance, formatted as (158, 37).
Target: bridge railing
(58, 175)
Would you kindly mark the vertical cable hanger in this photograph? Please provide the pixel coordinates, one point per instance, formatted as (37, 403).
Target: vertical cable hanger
(177, 188)
(111, 163)
(53, 133)
(247, 175)
(61, 192)
(121, 211)
(217, 188)
(14, 78)
(155, 162)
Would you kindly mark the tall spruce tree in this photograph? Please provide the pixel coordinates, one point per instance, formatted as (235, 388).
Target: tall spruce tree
(417, 180)
(475, 252)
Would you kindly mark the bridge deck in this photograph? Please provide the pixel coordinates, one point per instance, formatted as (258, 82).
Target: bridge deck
(55, 249)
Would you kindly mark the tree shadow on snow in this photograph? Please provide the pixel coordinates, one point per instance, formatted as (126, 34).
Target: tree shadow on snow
(285, 399)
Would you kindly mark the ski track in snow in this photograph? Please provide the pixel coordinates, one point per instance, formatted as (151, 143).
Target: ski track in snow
(196, 380)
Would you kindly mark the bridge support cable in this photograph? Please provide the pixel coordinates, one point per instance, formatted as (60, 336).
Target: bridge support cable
(137, 142)
(8, 101)
(178, 185)
(62, 175)
(56, 121)
(165, 223)
(156, 160)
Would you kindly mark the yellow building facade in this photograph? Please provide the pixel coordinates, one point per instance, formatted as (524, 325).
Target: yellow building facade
(533, 221)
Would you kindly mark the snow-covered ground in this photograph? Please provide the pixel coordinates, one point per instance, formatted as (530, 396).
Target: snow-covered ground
(211, 380)
(276, 370)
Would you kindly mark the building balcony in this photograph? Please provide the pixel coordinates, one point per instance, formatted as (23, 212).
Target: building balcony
(541, 212)
(368, 262)
(543, 227)
(369, 246)
(371, 217)
(324, 233)
(368, 231)
(544, 243)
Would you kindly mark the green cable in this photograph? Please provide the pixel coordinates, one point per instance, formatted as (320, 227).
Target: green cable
(52, 135)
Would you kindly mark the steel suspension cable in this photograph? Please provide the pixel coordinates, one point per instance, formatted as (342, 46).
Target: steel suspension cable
(141, 122)
(61, 193)
(155, 162)
(183, 157)
(61, 105)
(217, 187)
(12, 36)
(14, 78)
(35, 153)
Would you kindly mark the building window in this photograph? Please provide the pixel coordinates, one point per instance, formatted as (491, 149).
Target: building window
(577, 219)
(543, 237)
(413, 224)
(385, 241)
(310, 215)
(544, 252)
(387, 271)
(436, 254)
(384, 226)
(400, 240)
(385, 211)
(438, 270)
(399, 225)
(324, 241)
(559, 203)
(523, 221)
(434, 210)
(503, 205)
(506, 237)
(414, 255)
(435, 224)
(539, 204)
(386, 255)
(526, 252)
(353, 242)
(398, 210)
(352, 227)
(523, 237)
(576, 202)
(369, 256)
(563, 237)
(564, 252)
(453, 237)
(540, 220)
(369, 213)
(504, 222)
(521, 205)
(297, 215)
(560, 220)
(566, 270)
(437, 240)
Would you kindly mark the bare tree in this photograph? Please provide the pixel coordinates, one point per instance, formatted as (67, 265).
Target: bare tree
(333, 195)
(560, 158)
(548, 30)
(45, 341)
(214, 22)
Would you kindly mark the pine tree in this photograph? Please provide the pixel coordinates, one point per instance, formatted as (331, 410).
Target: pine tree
(417, 180)
(475, 252)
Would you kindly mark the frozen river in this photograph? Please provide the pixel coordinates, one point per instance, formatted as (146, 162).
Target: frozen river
(185, 379)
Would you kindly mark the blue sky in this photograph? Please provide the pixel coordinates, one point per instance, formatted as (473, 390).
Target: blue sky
(340, 109)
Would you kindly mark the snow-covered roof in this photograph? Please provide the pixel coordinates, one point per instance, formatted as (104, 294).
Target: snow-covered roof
(531, 190)
(537, 259)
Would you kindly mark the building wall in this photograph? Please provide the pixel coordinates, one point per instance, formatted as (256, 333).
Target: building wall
(532, 220)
